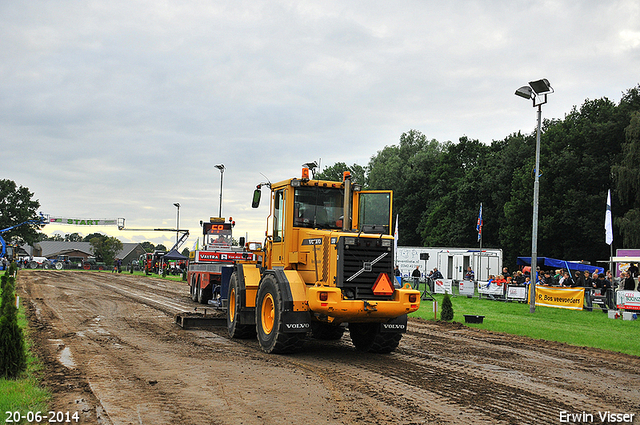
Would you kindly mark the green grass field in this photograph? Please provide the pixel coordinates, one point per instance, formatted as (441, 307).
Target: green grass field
(580, 328)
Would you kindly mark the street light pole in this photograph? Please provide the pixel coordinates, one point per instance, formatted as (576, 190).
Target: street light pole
(177, 205)
(536, 91)
(221, 168)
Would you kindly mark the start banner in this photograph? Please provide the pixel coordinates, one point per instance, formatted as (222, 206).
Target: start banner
(628, 300)
(83, 221)
(571, 298)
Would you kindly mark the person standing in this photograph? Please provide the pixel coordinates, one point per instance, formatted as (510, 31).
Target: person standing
(469, 275)
(629, 282)
(396, 271)
(633, 270)
(416, 277)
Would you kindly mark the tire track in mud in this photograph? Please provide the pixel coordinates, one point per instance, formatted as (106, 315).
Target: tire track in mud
(440, 374)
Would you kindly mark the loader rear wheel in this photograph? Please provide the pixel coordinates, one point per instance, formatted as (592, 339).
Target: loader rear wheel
(367, 337)
(269, 324)
(235, 329)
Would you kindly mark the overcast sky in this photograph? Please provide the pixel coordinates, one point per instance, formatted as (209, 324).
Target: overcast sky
(122, 108)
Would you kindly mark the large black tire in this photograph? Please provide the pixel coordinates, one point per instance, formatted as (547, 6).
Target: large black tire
(326, 331)
(235, 329)
(367, 337)
(204, 294)
(193, 288)
(269, 324)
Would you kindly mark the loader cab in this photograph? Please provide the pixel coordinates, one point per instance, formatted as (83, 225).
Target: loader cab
(303, 210)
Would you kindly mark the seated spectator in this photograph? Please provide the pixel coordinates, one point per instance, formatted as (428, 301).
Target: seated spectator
(565, 280)
(557, 277)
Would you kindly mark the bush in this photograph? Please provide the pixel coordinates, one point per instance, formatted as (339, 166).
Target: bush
(447, 308)
(13, 357)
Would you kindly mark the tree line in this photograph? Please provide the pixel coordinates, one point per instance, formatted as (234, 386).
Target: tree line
(438, 186)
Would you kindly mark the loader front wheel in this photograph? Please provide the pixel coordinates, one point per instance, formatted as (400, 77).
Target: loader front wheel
(269, 324)
(235, 329)
(367, 337)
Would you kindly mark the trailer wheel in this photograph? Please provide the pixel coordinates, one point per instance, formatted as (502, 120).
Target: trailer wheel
(204, 294)
(193, 289)
(59, 266)
(237, 330)
(367, 337)
(269, 324)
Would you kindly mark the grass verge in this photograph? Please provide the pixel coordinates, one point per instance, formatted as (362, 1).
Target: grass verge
(575, 327)
(24, 394)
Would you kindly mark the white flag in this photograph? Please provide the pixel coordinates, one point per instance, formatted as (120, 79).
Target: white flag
(608, 224)
(395, 239)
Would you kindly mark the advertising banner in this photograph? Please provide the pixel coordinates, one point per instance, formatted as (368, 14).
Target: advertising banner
(628, 300)
(491, 288)
(571, 298)
(466, 287)
(516, 293)
(443, 285)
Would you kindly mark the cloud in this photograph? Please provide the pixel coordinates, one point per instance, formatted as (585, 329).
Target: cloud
(120, 109)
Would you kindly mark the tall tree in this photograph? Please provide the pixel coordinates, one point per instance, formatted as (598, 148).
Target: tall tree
(106, 248)
(627, 178)
(335, 173)
(406, 169)
(17, 206)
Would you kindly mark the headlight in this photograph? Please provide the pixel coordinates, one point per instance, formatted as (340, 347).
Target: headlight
(386, 242)
(349, 241)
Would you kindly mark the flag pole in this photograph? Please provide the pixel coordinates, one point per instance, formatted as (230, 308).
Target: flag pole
(479, 229)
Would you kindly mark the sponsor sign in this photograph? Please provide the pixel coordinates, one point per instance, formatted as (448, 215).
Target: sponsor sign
(491, 288)
(516, 292)
(206, 256)
(628, 300)
(570, 298)
(466, 287)
(440, 286)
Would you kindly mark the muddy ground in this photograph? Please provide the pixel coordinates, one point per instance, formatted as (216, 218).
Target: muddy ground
(114, 354)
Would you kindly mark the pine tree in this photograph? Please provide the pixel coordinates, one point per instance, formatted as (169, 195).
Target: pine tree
(447, 308)
(13, 358)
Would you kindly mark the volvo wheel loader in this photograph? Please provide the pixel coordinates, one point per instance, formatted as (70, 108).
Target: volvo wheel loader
(326, 265)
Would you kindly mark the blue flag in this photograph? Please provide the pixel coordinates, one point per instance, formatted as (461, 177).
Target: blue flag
(479, 225)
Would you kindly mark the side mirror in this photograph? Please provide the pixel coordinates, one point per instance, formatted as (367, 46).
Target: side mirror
(241, 241)
(256, 198)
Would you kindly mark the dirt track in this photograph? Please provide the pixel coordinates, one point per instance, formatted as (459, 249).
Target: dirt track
(114, 354)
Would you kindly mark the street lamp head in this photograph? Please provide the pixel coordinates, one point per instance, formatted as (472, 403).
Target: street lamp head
(220, 167)
(525, 92)
(541, 86)
(177, 204)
